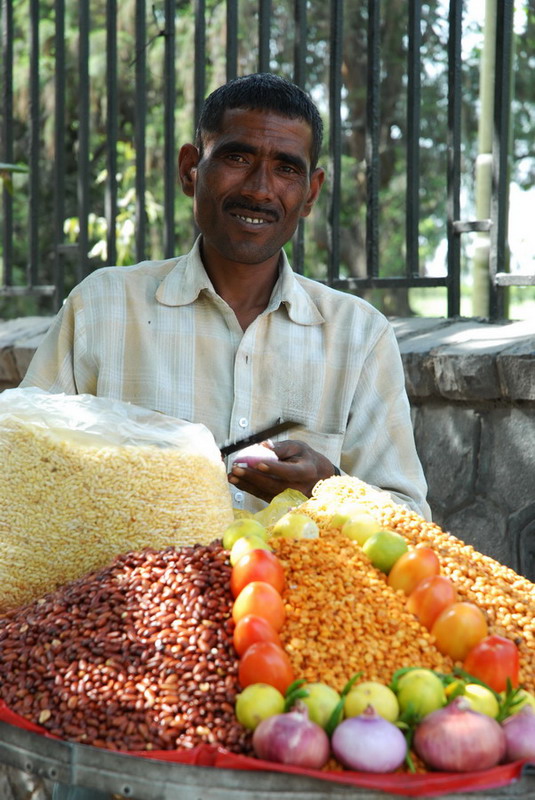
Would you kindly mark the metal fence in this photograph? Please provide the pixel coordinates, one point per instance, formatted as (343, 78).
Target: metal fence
(60, 180)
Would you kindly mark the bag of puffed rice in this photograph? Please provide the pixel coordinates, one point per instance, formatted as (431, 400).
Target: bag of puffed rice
(84, 478)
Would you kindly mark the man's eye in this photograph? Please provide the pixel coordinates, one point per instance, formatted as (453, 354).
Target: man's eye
(236, 157)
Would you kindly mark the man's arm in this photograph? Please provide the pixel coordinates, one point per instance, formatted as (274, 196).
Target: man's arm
(378, 445)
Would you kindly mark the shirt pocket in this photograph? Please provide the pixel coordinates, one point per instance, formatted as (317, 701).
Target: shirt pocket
(328, 444)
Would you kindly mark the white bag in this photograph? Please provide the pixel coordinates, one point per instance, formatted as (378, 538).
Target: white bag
(84, 478)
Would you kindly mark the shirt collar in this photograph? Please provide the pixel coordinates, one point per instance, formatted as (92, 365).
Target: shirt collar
(188, 279)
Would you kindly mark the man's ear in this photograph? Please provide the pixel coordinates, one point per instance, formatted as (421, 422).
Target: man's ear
(316, 182)
(188, 158)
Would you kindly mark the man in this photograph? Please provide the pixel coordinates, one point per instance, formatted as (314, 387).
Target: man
(228, 335)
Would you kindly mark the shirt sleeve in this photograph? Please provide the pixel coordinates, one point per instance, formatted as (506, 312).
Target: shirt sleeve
(379, 446)
(52, 367)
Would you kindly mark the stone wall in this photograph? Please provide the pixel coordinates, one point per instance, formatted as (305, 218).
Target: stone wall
(472, 389)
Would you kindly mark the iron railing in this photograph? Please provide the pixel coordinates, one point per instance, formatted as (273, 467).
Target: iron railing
(46, 274)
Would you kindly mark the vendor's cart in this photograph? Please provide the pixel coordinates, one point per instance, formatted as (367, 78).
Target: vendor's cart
(152, 779)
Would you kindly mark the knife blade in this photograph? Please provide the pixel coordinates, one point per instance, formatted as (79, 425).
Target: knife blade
(260, 436)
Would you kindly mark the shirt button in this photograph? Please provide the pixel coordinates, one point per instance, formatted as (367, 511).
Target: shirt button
(243, 422)
(238, 497)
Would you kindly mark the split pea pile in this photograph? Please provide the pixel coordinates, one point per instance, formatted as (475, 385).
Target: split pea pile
(343, 618)
(136, 656)
(506, 598)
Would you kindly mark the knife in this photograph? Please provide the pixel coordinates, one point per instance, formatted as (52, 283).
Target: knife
(261, 436)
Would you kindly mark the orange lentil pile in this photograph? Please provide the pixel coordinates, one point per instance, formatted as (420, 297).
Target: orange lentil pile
(343, 618)
(331, 579)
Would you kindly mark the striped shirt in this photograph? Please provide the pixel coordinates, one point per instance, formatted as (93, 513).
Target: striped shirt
(158, 335)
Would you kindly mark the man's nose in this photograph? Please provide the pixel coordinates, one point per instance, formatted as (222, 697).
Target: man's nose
(258, 181)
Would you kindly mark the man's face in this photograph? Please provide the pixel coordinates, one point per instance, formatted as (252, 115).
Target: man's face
(252, 185)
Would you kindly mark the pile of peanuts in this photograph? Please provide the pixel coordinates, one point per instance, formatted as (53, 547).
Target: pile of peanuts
(136, 656)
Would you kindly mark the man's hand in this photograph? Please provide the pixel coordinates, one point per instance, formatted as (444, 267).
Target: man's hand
(299, 467)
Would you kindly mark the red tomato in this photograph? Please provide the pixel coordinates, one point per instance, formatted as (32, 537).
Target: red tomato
(257, 565)
(430, 597)
(266, 662)
(459, 628)
(252, 629)
(262, 600)
(494, 660)
(412, 567)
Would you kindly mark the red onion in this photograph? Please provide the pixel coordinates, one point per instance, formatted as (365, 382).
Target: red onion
(519, 732)
(255, 454)
(369, 743)
(292, 738)
(457, 739)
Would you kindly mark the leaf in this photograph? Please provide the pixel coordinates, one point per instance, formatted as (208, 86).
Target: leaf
(10, 168)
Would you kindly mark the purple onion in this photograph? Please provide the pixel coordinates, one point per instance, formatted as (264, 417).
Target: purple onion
(369, 743)
(519, 730)
(457, 739)
(292, 738)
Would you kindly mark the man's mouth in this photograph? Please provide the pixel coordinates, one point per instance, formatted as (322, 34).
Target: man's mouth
(252, 216)
(251, 220)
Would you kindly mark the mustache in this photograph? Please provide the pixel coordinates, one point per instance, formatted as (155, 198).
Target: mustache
(242, 205)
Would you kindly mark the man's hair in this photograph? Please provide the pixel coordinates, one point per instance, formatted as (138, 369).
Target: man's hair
(261, 92)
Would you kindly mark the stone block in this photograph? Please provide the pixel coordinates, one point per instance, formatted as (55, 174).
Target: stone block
(419, 376)
(516, 370)
(507, 457)
(466, 377)
(447, 441)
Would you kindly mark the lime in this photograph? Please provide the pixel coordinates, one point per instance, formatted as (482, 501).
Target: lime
(258, 701)
(523, 698)
(359, 527)
(481, 699)
(372, 693)
(295, 525)
(344, 512)
(244, 545)
(384, 548)
(320, 701)
(421, 691)
(242, 527)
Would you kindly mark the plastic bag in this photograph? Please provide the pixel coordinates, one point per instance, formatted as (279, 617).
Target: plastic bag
(86, 478)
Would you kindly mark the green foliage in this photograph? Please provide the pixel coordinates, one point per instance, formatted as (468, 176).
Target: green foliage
(317, 232)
